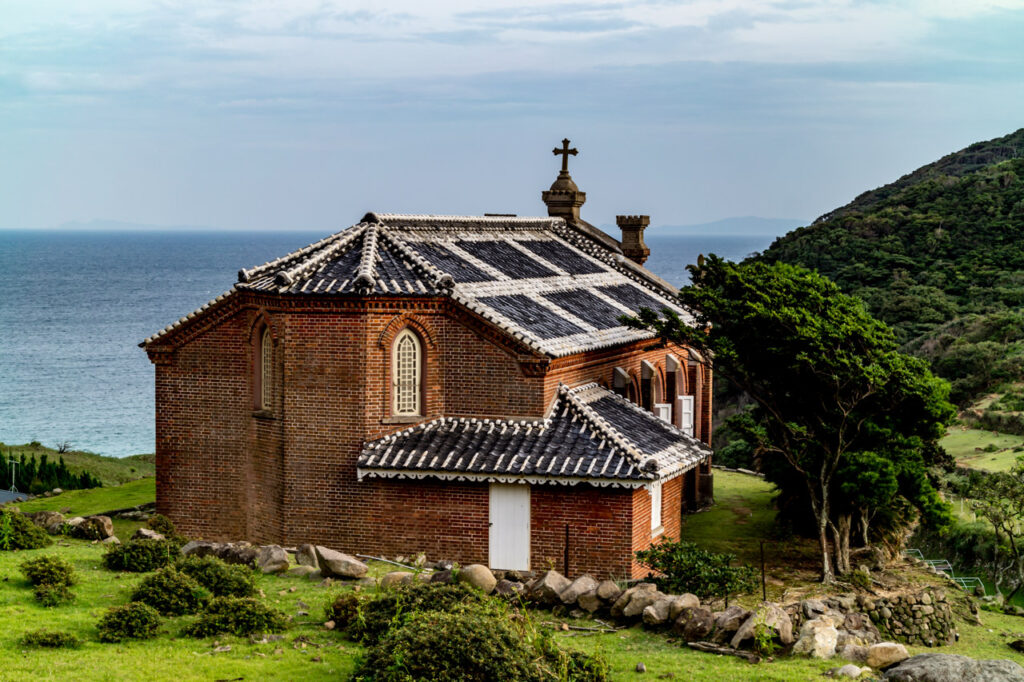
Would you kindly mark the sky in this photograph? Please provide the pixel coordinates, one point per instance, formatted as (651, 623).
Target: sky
(307, 114)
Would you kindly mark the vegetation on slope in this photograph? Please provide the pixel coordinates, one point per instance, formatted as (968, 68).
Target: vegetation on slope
(939, 256)
(109, 470)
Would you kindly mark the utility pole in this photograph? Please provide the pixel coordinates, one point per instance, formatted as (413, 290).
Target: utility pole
(13, 462)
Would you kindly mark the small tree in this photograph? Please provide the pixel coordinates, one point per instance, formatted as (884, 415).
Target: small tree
(999, 499)
(685, 567)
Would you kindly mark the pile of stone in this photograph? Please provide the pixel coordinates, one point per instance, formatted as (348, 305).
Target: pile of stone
(311, 561)
(924, 619)
(98, 527)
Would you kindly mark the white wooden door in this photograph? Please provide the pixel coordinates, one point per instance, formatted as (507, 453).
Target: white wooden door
(510, 527)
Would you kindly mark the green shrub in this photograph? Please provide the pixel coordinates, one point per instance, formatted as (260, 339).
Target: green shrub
(141, 556)
(131, 621)
(237, 616)
(366, 620)
(470, 645)
(163, 525)
(171, 592)
(53, 595)
(18, 532)
(860, 579)
(49, 639)
(221, 579)
(48, 569)
(685, 567)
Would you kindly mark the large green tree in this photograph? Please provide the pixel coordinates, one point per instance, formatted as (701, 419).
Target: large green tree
(827, 380)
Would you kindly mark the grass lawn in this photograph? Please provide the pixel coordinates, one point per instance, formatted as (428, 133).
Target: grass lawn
(967, 446)
(110, 470)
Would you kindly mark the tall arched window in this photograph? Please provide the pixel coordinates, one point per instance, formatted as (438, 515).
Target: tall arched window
(266, 372)
(406, 374)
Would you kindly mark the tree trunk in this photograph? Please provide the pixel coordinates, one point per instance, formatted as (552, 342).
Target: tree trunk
(864, 525)
(820, 509)
(843, 546)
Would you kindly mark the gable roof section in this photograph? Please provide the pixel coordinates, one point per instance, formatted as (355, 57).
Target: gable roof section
(591, 436)
(550, 285)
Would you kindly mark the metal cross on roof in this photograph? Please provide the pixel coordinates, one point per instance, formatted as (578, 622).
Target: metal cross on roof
(565, 152)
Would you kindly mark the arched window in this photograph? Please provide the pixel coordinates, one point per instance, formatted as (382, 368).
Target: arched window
(266, 371)
(406, 374)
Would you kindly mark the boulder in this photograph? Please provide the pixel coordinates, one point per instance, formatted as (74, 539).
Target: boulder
(694, 625)
(954, 668)
(112, 540)
(849, 670)
(241, 553)
(640, 601)
(548, 588)
(147, 534)
(478, 576)
(304, 572)
(74, 522)
(885, 654)
(508, 588)
(656, 614)
(854, 652)
(305, 555)
(199, 548)
(623, 600)
(45, 519)
(272, 559)
(590, 602)
(56, 528)
(338, 564)
(396, 578)
(681, 603)
(609, 591)
(812, 608)
(582, 584)
(773, 617)
(444, 576)
(95, 528)
(818, 638)
(860, 627)
(729, 621)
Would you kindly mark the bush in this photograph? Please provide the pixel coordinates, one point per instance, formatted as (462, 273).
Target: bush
(131, 621)
(141, 556)
(171, 592)
(237, 616)
(53, 595)
(472, 645)
(163, 525)
(685, 567)
(221, 579)
(49, 569)
(49, 639)
(17, 532)
(366, 620)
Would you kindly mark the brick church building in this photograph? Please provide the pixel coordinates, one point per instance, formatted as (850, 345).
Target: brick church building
(460, 386)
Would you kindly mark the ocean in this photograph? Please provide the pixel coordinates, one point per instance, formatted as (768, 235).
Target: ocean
(74, 306)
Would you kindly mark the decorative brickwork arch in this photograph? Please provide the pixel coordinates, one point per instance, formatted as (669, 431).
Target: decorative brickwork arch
(400, 322)
(262, 340)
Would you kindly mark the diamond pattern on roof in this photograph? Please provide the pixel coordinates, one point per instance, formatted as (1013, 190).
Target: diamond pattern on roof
(631, 297)
(507, 258)
(595, 310)
(456, 266)
(531, 315)
(564, 257)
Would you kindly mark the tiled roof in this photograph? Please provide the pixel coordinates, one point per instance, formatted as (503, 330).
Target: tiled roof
(551, 285)
(591, 435)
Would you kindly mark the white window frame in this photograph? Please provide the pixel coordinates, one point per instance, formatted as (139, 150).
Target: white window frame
(266, 370)
(663, 411)
(654, 490)
(406, 392)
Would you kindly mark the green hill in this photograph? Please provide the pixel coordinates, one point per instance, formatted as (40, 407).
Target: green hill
(938, 255)
(110, 470)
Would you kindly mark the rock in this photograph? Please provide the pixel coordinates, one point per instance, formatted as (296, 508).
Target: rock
(640, 601)
(608, 591)
(656, 614)
(1017, 645)
(305, 555)
(147, 534)
(818, 638)
(509, 589)
(954, 668)
(199, 548)
(272, 559)
(513, 576)
(396, 578)
(694, 625)
(619, 607)
(338, 564)
(774, 618)
(56, 491)
(478, 576)
(56, 528)
(304, 572)
(849, 670)
(641, 668)
(582, 584)
(730, 620)
(812, 608)
(241, 553)
(95, 528)
(444, 576)
(885, 654)
(681, 603)
(45, 519)
(854, 652)
(112, 540)
(444, 565)
(590, 602)
(549, 587)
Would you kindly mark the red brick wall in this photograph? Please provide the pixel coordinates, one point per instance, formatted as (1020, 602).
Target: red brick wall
(671, 518)
(288, 474)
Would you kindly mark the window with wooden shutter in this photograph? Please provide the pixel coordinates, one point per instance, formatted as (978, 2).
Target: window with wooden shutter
(406, 374)
(266, 370)
(686, 414)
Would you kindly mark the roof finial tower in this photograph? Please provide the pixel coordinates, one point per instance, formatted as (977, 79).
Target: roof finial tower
(564, 199)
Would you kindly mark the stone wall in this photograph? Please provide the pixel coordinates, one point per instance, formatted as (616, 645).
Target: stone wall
(924, 619)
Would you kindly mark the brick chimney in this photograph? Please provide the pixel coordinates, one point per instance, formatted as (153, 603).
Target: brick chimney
(632, 227)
